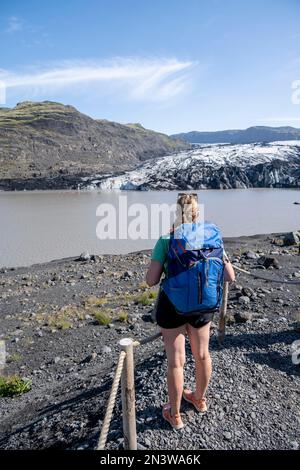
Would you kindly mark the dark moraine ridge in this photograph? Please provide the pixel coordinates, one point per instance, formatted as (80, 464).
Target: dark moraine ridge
(47, 145)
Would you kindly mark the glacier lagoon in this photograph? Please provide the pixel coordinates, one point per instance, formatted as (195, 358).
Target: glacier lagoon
(39, 226)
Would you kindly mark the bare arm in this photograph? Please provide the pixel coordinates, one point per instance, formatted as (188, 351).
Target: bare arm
(154, 272)
(229, 274)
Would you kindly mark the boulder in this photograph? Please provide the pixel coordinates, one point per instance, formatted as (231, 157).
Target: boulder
(89, 358)
(244, 299)
(248, 292)
(251, 255)
(85, 256)
(292, 238)
(243, 317)
(268, 261)
(127, 275)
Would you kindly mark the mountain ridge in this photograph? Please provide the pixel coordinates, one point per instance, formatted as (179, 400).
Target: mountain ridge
(241, 136)
(51, 145)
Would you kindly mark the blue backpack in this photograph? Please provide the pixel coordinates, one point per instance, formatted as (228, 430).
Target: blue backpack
(195, 268)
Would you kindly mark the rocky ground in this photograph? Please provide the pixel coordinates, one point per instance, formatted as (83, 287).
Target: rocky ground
(50, 316)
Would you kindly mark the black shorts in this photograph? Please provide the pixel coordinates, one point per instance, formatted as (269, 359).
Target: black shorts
(167, 316)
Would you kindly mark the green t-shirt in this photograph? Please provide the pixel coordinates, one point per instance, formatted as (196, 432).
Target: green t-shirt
(160, 252)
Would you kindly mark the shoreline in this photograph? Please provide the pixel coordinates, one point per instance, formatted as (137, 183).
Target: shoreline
(61, 185)
(56, 183)
(56, 261)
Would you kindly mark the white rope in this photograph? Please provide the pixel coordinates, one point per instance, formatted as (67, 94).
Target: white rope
(111, 402)
(278, 281)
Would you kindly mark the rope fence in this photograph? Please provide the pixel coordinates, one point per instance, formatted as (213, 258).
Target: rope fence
(125, 372)
(111, 402)
(258, 276)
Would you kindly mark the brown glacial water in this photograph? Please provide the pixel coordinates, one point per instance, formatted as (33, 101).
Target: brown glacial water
(39, 226)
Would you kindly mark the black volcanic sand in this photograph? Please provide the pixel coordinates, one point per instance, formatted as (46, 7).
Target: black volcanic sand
(48, 323)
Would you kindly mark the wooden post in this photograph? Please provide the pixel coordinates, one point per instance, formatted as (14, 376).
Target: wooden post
(128, 396)
(2, 356)
(223, 311)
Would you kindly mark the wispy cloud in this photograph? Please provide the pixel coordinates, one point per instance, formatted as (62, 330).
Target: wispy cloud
(159, 79)
(14, 24)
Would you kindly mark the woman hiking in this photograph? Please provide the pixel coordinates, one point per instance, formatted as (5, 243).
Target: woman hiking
(190, 294)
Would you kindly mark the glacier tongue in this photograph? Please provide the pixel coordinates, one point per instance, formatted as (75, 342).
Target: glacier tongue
(217, 166)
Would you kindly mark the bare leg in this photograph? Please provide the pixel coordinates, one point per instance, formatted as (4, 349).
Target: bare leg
(174, 340)
(199, 340)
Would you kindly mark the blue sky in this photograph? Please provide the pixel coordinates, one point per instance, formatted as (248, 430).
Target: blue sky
(172, 65)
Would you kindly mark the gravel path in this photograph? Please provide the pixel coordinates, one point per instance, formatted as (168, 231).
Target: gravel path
(254, 392)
